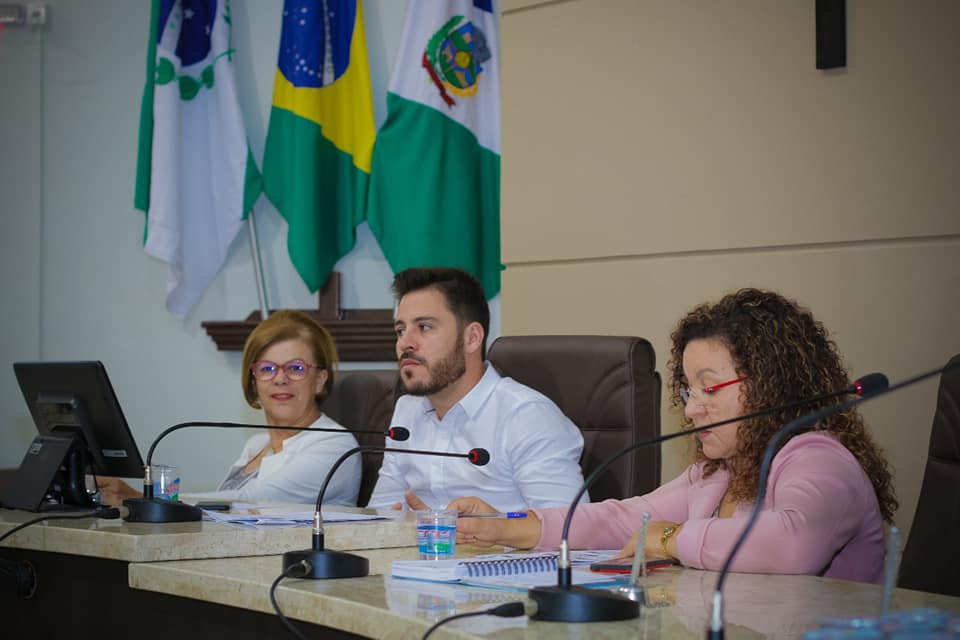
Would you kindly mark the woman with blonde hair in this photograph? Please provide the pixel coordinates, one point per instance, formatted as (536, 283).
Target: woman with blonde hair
(288, 370)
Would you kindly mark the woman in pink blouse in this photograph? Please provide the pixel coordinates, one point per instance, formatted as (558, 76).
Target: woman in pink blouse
(830, 488)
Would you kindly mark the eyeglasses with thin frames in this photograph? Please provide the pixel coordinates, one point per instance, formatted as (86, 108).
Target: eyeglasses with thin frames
(297, 369)
(701, 395)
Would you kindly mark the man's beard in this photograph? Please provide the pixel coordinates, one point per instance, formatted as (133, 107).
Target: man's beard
(442, 374)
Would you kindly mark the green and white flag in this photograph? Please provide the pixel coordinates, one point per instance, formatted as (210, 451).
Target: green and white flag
(196, 178)
(435, 179)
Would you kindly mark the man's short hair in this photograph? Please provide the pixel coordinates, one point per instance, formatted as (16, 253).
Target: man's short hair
(463, 293)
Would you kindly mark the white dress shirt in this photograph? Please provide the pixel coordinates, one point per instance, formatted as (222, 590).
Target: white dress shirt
(534, 449)
(296, 473)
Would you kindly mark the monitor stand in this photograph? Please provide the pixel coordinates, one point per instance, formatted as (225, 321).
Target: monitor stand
(51, 476)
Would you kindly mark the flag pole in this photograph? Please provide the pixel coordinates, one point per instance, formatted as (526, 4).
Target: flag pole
(257, 266)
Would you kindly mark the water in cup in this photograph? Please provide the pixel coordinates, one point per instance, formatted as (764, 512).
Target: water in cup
(436, 533)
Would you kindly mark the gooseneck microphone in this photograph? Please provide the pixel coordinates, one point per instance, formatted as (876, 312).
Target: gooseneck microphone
(320, 563)
(150, 509)
(715, 629)
(567, 602)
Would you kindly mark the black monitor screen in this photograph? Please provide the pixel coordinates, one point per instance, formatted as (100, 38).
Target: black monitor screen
(65, 396)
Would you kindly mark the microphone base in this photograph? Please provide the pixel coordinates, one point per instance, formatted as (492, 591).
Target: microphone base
(157, 510)
(578, 604)
(326, 564)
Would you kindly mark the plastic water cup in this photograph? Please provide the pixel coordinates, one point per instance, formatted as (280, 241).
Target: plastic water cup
(166, 482)
(435, 607)
(436, 533)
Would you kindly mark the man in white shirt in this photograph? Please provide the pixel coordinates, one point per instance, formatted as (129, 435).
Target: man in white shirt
(456, 401)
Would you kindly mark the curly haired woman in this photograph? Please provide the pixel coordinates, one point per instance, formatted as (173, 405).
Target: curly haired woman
(830, 488)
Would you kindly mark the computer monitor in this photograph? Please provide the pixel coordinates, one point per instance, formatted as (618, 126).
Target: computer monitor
(81, 430)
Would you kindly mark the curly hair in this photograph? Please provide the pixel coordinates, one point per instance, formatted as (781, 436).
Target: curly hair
(786, 356)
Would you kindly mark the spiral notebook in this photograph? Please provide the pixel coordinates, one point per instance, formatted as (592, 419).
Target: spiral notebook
(507, 570)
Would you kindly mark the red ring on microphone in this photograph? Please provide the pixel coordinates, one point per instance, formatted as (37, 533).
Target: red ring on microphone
(479, 456)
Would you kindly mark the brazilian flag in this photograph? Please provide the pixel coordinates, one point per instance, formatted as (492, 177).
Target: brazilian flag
(316, 162)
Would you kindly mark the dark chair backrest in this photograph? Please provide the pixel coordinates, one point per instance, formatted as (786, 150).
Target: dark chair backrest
(608, 387)
(931, 560)
(364, 400)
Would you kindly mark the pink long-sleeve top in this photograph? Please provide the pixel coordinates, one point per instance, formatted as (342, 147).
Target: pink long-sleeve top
(820, 517)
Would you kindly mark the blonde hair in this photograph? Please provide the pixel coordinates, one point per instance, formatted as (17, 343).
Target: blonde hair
(288, 324)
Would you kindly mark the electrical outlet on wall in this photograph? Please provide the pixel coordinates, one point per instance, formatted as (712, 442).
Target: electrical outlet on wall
(36, 13)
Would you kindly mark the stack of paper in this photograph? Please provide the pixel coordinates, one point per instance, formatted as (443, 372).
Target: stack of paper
(273, 516)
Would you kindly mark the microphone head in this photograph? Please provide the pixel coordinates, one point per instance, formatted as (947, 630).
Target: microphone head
(398, 433)
(869, 384)
(479, 456)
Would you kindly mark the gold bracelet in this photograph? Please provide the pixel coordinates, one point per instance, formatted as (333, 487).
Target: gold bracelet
(667, 533)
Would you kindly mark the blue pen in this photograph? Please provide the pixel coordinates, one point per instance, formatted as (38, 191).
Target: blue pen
(509, 514)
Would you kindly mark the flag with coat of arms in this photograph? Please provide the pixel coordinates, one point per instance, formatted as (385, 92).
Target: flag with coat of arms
(196, 178)
(435, 179)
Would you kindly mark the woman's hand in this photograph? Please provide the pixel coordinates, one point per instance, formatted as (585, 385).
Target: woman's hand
(522, 533)
(113, 491)
(629, 549)
(652, 546)
(476, 531)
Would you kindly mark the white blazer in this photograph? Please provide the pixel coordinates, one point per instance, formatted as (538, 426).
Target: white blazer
(296, 473)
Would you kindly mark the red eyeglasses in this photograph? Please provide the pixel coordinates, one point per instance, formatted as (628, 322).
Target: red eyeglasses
(700, 395)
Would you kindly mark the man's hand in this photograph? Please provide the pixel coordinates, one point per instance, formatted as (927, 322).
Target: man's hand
(413, 501)
(471, 505)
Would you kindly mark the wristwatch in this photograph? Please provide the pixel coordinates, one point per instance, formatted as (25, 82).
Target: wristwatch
(667, 533)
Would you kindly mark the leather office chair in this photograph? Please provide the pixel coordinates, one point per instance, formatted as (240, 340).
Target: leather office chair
(364, 400)
(931, 560)
(608, 387)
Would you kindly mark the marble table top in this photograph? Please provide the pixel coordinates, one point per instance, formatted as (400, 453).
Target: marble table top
(377, 606)
(147, 542)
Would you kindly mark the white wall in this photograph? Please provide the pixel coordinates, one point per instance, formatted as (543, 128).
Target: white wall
(21, 201)
(76, 283)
